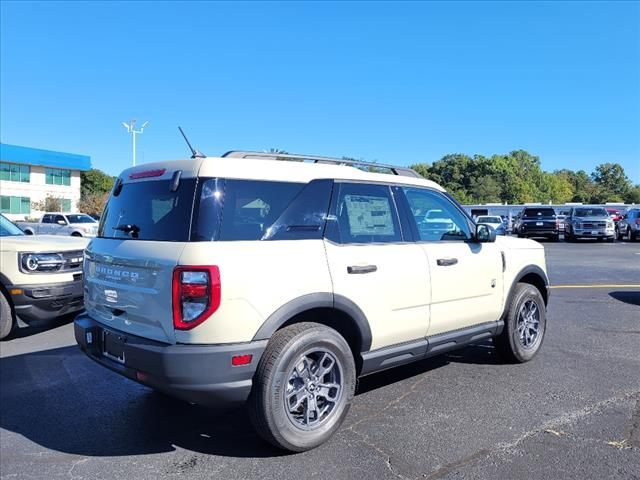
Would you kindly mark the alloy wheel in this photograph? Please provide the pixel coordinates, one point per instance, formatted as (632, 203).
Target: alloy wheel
(528, 326)
(313, 390)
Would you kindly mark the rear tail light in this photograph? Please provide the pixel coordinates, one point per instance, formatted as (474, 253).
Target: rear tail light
(196, 295)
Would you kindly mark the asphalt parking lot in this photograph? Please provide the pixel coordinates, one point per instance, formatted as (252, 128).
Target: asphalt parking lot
(572, 413)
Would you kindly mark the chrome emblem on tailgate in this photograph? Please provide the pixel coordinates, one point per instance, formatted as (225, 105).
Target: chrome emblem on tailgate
(111, 296)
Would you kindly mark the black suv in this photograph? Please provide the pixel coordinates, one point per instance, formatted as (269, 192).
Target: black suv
(539, 222)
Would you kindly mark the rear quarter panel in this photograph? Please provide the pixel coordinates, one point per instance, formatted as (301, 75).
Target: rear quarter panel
(257, 278)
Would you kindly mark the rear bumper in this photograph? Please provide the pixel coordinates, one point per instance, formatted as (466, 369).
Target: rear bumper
(200, 374)
(47, 301)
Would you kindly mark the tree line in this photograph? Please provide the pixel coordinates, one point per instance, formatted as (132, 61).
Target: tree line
(514, 178)
(517, 177)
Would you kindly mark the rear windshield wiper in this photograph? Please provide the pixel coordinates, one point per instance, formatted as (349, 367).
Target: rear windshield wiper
(128, 228)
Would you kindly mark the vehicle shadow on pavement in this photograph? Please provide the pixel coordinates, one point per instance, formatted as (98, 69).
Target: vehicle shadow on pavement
(630, 297)
(483, 353)
(61, 400)
(34, 329)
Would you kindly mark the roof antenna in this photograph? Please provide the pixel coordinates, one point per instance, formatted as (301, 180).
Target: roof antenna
(194, 153)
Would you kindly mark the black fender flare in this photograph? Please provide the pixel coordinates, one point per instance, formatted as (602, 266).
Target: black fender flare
(519, 276)
(317, 300)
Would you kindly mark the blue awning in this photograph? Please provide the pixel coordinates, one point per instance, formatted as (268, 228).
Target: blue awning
(44, 158)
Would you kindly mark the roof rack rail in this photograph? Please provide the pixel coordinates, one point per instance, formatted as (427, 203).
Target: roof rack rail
(394, 169)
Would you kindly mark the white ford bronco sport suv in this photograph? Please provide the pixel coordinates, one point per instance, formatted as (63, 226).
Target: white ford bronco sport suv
(41, 276)
(280, 279)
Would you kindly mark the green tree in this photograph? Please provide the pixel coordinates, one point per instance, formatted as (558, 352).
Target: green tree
(95, 181)
(633, 196)
(584, 190)
(555, 189)
(612, 183)
(485, 189)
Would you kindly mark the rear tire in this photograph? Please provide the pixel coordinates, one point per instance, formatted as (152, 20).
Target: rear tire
(6, 317)
(524, 326)
(291, 405)
(76, 234)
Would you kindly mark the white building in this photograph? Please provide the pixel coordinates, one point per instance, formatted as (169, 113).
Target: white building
(29, 175)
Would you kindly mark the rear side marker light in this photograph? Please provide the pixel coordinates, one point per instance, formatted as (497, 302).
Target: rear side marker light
(239, 360)
(147, 173)
(196, 295)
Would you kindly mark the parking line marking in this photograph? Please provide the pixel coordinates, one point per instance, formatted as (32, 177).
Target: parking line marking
(594, 286)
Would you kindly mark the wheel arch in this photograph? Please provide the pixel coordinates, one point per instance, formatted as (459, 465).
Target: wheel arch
(533, 275)
(334, 311)
(5, 291)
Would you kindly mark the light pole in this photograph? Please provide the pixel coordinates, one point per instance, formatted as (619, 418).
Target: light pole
(131, 128)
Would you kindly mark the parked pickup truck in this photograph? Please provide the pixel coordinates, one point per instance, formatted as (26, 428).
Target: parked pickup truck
(41, 276)
(56, 223)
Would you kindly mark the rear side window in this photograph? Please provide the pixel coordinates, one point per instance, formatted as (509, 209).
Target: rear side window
(539, 212)
(149, 210)
(364, 214)
(231, 210)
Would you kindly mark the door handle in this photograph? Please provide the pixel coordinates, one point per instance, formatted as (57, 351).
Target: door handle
(357, 269)
(446, 262)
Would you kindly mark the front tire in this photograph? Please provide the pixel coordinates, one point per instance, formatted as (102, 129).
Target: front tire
(6, 317)
(303, 387)
(524, 326)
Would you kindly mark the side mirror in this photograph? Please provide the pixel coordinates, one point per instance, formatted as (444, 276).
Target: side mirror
(485, 233)
(61, 222)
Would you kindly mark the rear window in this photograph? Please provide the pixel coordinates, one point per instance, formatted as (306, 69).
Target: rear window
(489, 220)
(149, 210)
(230, 210)
(539, 212)
(224, 210)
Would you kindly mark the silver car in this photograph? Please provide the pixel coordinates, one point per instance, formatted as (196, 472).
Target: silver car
(628, 227)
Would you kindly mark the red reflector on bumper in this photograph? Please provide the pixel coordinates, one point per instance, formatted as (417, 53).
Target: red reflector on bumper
(238, 360)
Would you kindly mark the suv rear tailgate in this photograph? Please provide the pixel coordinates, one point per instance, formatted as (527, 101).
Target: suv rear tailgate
(143, 231)
(128, 286)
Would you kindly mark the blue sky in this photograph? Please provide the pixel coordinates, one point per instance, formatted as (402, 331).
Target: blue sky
(394, 82)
